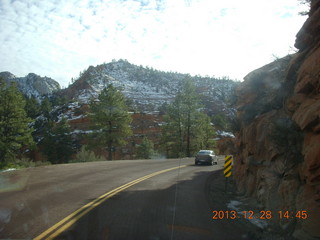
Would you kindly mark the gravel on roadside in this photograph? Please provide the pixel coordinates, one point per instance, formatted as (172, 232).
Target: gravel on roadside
(225, 198)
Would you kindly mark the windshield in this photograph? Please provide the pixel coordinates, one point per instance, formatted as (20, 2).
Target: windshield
(159, 119)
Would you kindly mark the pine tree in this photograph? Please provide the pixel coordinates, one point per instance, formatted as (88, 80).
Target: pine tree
(145, 149)
(110, 119)
(172, 130)
(46, 107)
(15, 133)
(32, 107)
(204, 132)
(57, 142)
(190, 104)
(186, 129)
(219, 121)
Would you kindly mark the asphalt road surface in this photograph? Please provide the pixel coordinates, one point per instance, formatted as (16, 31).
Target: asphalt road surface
(112, 200)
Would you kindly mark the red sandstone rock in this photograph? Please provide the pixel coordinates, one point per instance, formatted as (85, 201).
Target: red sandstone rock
(309, 34)
(267, 168)
(309, 73)
(305, 202)
(226, 146)
(308, 112)
(295, 101)
(311, 165)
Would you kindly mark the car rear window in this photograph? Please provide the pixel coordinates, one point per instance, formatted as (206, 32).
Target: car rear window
(204, 152)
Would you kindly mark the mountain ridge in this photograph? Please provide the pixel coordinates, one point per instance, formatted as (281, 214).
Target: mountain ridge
(32, 85)
(145, 86)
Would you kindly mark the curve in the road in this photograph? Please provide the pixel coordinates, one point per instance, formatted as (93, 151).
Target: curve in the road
(68, 221)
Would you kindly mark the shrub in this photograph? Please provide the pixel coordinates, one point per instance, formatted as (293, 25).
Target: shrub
(85, 155)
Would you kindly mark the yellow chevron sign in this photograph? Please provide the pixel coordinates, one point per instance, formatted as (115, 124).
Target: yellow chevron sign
(228, 161)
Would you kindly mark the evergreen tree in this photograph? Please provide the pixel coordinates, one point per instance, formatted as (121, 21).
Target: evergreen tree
(57, 101)
(57, 142)
(15, 133)
(46, 107)
(184, 130)
(172, 130)
(110, 119)
(204, 132)
(32, 107)
(219, 121)
(145, 149)
(190, 104)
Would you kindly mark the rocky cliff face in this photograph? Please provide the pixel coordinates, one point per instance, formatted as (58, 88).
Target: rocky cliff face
(278, 157)
(32, 85)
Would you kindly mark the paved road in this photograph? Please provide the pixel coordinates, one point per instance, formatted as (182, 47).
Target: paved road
(170, 205)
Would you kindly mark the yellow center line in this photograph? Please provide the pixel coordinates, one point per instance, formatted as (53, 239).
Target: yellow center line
(68, 221)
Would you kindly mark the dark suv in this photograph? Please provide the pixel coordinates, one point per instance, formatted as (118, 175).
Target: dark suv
(205, 156)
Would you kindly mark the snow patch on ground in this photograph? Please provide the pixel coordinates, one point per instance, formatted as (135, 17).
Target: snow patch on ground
(9, 170)
(77, 131)
(225, 134)
(236, 205)
(259, 223)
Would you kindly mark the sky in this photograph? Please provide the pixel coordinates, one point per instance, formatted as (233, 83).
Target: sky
(58, 38)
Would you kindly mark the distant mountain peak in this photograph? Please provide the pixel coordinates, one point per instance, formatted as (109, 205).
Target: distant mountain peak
(32, 75)
(7, 75)
(32, 85)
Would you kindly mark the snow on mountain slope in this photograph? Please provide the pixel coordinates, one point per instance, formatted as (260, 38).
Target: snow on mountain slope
(146, 87)
(32, 85)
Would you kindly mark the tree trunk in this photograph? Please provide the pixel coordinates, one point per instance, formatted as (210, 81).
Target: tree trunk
(110, 150)
(188, 136)
(110, 143)
(181, 152)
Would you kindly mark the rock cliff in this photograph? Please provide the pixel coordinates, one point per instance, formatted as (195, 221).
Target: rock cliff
(32, 85)
(278, 145)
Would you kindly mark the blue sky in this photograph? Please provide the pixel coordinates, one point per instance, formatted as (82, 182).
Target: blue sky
(58, 39)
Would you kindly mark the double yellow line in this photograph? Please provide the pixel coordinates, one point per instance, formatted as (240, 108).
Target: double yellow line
(68, 221)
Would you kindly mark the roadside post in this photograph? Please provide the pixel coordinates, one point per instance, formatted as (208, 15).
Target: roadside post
(228, 163)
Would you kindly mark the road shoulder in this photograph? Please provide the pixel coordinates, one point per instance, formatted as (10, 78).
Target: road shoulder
(226, 198)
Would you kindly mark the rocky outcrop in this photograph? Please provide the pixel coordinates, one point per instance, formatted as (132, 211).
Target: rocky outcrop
(278, 158)
(226, 146)
(32, 85)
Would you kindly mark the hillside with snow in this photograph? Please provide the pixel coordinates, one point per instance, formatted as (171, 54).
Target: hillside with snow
(147, 92)
(32, 85)
(148, 89)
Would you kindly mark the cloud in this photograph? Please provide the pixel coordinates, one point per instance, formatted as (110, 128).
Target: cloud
(60, 38)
